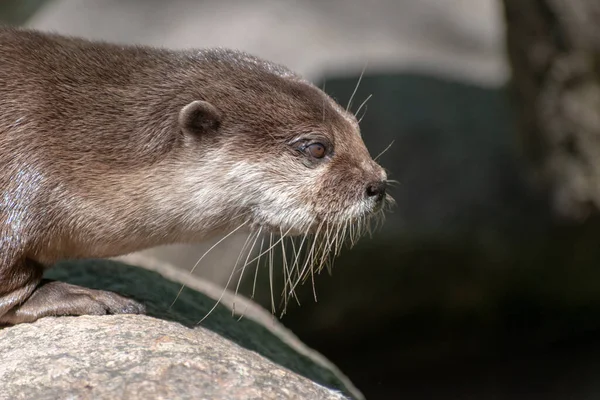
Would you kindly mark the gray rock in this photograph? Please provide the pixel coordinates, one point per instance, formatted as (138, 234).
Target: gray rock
(138, 357)
(167, 354)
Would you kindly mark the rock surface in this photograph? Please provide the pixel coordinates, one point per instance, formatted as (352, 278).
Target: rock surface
(138, 357)
(166, 354)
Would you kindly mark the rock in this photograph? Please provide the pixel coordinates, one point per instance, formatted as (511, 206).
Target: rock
(166, 354)
(138, 357)
(557, 98)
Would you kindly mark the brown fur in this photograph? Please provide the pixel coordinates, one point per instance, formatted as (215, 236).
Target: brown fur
(98, 159)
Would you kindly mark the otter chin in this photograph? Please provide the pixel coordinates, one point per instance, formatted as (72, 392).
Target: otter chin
(109, 149)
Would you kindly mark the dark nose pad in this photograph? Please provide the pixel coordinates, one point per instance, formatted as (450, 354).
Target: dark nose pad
(376, 189)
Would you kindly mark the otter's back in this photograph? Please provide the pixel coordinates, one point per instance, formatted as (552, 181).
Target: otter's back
(84, 101)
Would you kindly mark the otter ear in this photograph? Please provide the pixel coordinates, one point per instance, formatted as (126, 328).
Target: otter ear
(199, 117)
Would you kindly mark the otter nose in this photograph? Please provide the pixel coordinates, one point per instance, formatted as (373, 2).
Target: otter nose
(376, 189)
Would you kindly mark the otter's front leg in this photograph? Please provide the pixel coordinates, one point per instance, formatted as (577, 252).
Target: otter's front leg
(17, 281)
(25, 297)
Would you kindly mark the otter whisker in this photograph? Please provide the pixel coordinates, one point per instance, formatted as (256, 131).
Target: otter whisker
(362, 105)
(384, 150)
(321, 249)
(271, 272)
(344, 232)
(356, 231)
(286, 276)
(324, 83)
(291, 270)
(320, 252)
(222, 293)
(318, 259)
(296, 253)
(366, 223)
(313, 255)
(352, 234)
(237, 261)
(364, 114)
(305, 240)
(237, 287)
(231, 275)
(312, 275)
(335, 238)
(204, 255)
(314, 251)
(356, 88)
(309, 258)
(257, 266)
(258, 260)
(339, 240)
(368, 227)
(270, 247)
(262, 241)
(328, 258)
(360, 231)
(379, 218)
(296, 265)
(328, 244)
(390, 201)
(348, 234)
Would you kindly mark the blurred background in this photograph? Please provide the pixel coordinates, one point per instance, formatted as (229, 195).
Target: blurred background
(484, 283)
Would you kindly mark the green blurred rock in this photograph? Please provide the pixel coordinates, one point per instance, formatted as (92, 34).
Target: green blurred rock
(16, 12)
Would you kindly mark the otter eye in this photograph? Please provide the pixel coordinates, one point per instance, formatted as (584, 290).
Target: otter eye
(316, 150)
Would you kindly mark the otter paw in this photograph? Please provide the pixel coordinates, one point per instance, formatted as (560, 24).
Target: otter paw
(59, 298)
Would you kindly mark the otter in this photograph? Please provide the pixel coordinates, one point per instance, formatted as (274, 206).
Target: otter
(109, 149)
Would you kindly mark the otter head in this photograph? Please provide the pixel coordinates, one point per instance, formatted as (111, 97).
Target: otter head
(286, 157)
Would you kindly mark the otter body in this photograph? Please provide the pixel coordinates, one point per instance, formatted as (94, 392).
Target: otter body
(108, 149)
